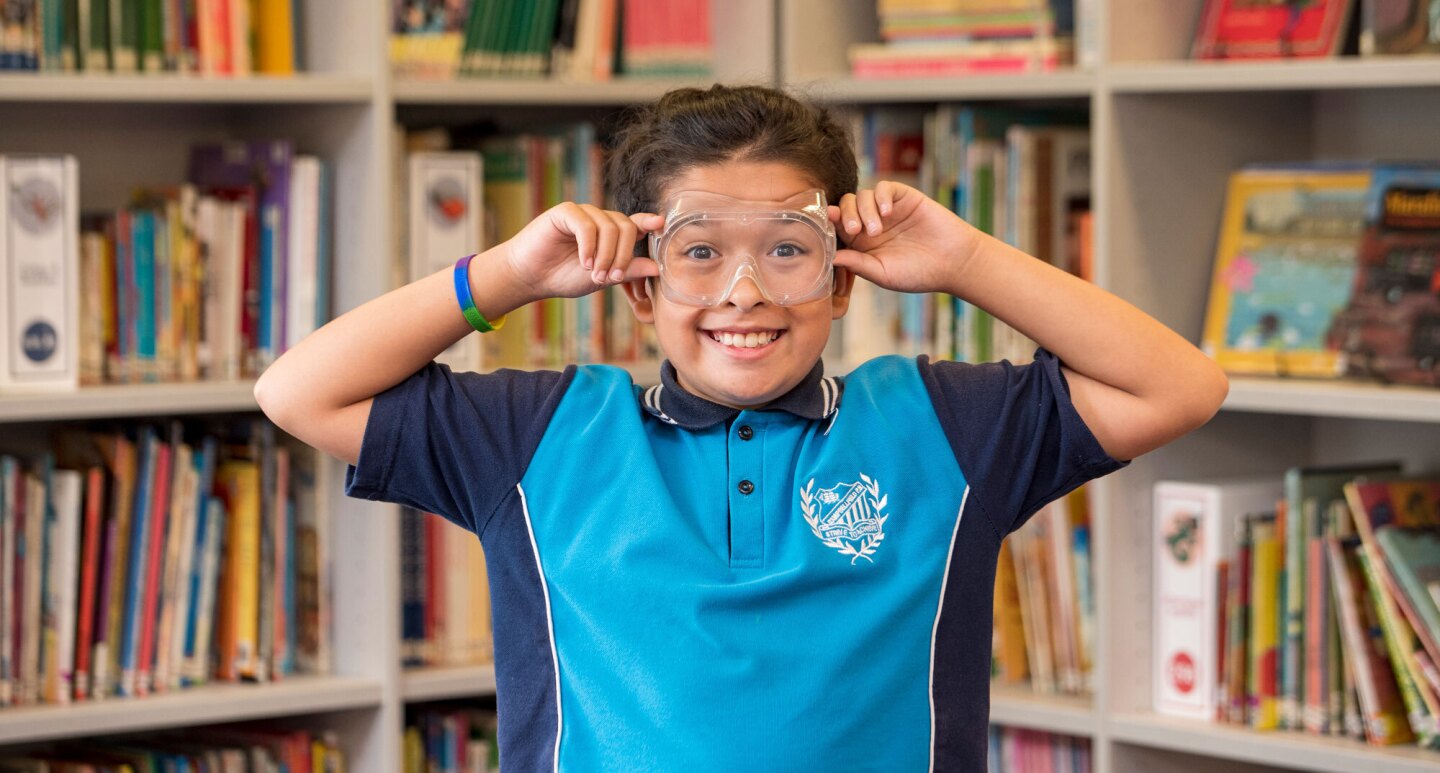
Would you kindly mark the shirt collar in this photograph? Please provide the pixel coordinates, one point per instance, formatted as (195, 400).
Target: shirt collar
(816, 397)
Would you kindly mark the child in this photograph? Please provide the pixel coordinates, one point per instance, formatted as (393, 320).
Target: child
(751, 564)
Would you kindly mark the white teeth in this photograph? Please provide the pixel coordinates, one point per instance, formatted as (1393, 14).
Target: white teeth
(746, 340)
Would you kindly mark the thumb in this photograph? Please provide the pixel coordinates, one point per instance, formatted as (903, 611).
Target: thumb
(863, 264)
(648, 222)
(641, 268)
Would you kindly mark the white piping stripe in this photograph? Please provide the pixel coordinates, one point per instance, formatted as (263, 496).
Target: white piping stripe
(834, 396)
(935, 631)
(550, 621)
(825, 388)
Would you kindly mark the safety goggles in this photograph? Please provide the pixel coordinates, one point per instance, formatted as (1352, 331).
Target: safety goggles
(712, 241)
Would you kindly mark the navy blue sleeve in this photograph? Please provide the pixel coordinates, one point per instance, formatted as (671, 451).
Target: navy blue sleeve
(1018, 439)
(454, 444)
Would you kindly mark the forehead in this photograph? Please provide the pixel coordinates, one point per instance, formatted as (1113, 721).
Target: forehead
(753, 180)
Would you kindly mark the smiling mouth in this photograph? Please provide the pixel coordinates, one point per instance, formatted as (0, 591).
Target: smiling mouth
(751, 340)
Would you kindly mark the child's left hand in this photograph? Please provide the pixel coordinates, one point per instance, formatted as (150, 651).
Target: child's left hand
(901, 239)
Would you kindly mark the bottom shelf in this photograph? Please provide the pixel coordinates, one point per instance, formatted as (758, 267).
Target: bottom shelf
(185, 708)
(1278, 748)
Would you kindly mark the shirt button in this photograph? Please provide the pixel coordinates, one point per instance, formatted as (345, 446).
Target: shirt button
(745, 432)
(746, 487)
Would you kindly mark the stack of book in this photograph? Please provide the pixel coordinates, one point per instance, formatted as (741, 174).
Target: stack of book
(210, 279)
(468, 194)
(154, 559)
(205, 37)
(576, 40)
(1329, 270)
(228, 749)
(444, 594)
(1305, 603)
(451, 741)
(1018, 750)
(956, 38)
(1045, 602)
(1020, 175)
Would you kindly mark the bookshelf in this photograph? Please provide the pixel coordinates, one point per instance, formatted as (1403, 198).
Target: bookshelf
(1166, 132)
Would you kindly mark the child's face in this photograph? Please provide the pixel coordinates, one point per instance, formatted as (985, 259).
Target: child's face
(738, 376)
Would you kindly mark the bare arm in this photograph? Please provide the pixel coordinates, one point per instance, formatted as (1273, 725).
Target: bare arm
(1137, 384)
(320, 391)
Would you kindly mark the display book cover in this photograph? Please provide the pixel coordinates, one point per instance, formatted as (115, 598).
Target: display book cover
(1273, 29)
(1390, 328)
(1286, 257)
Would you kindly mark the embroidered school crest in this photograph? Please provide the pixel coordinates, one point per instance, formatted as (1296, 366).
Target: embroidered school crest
(849, 517)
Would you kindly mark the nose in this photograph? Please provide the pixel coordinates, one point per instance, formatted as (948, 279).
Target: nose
(746, 295)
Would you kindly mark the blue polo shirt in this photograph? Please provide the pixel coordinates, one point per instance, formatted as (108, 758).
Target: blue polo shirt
(679, 585)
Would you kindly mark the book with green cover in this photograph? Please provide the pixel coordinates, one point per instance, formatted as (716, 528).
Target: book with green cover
(1400, 644)
(1414, 559)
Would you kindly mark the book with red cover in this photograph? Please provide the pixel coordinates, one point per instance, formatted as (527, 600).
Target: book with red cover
(1270, 29)
(159, 503)
(89, 568)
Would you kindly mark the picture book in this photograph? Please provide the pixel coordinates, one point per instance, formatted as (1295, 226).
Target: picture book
(1270, 29)
(1390, 328)
(1286, 257)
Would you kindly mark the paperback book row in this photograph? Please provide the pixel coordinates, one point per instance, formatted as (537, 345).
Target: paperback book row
(225, 749)
(1020, 175)
(1044, 611)
(1327, 270)
(207, 279)
(468, 193)
(444, 594)
(573, 40)
(1306, 602)
(1018, 750)
(1238, 29)
(458, 740)
(205, 37)
(155, 558)
(959, 38)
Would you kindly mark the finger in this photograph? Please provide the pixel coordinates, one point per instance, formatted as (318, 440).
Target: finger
(862, 264)
(606, 235)
(569, 218)
(865, 204)
(833, 212)
(647, 222)
(885, 195)
(641, 268)
(626, 234)
(849, 214)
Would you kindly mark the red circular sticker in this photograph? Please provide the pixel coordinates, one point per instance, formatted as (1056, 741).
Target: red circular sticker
(1182, 672)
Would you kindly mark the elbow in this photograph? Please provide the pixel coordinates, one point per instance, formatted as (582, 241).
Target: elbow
(1212, 386)
(270, 398)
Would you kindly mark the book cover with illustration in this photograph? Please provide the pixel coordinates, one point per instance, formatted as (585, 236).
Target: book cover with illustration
(1286, 257)
(1390, 329)
(1271, 29)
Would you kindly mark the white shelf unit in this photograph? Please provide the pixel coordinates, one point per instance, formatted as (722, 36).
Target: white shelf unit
(1167, 132)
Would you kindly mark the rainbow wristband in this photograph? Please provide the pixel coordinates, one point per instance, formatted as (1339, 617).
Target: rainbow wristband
(467, 303)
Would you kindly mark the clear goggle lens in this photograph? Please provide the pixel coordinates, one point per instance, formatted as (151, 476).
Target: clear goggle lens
(712, 242)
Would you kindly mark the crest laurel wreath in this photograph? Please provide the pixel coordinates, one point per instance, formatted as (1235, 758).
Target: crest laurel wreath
(870, 542)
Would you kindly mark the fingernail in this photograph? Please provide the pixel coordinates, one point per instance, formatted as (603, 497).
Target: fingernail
(616, 275)
(884, 209)
(874, 227)
(853, 225)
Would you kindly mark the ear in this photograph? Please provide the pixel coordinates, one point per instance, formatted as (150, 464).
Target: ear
(840, 298)
(639, 293)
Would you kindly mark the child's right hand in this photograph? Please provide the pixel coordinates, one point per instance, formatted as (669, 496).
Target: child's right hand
(575, 249)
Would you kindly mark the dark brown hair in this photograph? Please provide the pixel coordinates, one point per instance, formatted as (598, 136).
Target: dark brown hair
(693, 127)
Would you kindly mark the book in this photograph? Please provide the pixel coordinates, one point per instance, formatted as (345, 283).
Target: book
(1380, 706)
(1390, 328)
(1195, 526)
(1399, 27)
(39, 263)
(446, 208)
(1309, 492)
(1237, 29)
(1286, 256)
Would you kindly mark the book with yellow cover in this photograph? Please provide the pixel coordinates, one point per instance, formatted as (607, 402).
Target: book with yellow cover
(1009, 645)
(1286, 258)
(238, 631)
